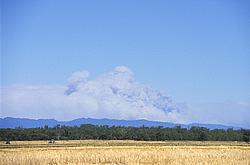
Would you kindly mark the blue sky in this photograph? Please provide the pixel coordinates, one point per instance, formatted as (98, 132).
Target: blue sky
(197, 51)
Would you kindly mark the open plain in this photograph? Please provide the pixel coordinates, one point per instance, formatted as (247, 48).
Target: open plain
(80, 152)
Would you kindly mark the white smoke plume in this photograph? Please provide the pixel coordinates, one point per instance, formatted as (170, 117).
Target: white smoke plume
(115, 95)
(112, 95)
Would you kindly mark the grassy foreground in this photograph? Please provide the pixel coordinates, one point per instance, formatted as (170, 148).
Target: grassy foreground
(80, 152)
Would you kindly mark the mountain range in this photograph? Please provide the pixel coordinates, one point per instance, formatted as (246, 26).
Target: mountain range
(10, 122)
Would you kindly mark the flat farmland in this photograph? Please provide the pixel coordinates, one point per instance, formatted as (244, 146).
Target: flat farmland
(81, 152)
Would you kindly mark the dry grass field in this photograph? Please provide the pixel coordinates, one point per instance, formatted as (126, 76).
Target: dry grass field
(124, 152)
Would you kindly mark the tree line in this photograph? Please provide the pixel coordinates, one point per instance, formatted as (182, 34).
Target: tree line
(88, 131)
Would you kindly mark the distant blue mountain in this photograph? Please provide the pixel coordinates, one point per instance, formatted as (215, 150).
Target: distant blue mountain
(10, 122)
(113, 122)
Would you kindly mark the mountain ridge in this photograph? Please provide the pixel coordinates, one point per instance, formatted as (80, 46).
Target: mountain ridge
(11, 122)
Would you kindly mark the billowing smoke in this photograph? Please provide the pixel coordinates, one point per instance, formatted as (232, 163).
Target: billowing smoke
(112, 95)
(115, 95)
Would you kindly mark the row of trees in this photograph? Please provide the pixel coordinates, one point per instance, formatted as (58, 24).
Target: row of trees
(121, 133)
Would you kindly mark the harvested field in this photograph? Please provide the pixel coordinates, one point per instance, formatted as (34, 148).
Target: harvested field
(124, 152)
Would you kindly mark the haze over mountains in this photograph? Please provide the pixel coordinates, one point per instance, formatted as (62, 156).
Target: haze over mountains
(32, 123)
(113, 95)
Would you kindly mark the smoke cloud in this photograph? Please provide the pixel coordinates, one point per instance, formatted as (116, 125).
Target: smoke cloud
(112, 95)
(115, 95)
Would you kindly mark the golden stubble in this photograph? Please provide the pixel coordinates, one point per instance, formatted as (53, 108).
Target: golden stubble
(124, 152)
